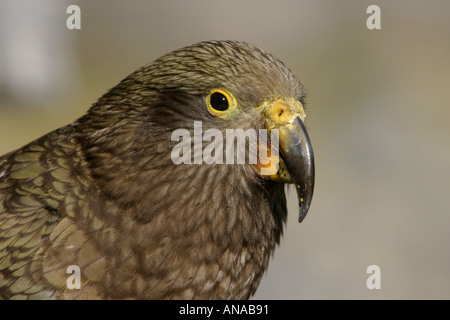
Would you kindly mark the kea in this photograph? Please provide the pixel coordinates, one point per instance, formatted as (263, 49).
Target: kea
(102, 208)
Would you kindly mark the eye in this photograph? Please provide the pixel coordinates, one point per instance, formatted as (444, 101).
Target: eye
(221, 102)
(218, 101)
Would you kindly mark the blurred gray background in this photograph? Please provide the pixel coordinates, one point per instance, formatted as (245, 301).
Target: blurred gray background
(379, 114)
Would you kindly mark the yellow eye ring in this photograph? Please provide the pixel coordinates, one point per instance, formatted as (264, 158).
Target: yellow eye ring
(221, 102)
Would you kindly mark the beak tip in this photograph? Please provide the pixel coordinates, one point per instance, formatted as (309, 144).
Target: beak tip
(302, 214)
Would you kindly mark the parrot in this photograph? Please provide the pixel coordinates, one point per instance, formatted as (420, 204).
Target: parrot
(115, 206)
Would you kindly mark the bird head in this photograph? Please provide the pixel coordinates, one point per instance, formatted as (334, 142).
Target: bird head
(225, 85)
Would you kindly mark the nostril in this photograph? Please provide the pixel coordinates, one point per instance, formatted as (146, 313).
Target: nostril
(279, 111)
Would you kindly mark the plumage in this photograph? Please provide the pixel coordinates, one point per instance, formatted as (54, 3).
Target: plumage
(102, 193)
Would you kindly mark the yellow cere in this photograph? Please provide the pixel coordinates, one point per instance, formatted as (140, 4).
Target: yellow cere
(280, 111)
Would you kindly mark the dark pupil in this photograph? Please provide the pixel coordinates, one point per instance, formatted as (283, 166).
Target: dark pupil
(219, 101)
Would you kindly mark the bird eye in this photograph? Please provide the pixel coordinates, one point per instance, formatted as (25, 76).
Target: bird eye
(220, 102)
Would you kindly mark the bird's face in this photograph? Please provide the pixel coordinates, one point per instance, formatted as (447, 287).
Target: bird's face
(235, 85)
(285, 115)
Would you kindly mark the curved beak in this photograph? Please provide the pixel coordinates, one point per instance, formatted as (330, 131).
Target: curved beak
(295, 164)
(297, 153)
